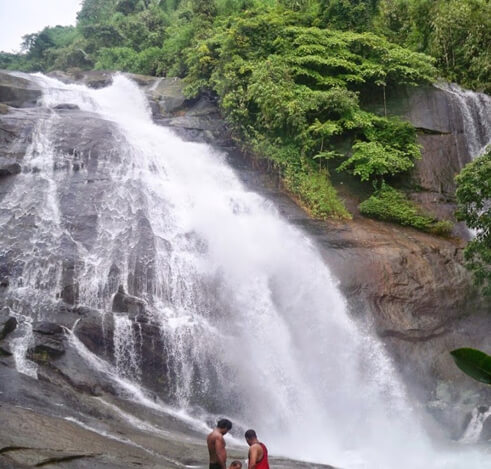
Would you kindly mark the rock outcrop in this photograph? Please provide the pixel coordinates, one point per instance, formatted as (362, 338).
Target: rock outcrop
(452, 126)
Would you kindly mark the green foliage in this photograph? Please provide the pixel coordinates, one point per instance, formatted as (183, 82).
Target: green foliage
(474, 363)
(456, 32)
(389, 148)
(299, 87)
(474, 208)
(311, 186)
(355, 15)
(388, 204)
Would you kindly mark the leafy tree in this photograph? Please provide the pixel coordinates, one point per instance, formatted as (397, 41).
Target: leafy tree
(456, 32)
(95, 11)
(461, 41)
(355, 15)
(474, 208)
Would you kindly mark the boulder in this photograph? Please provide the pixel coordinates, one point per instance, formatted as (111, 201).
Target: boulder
(47, 328)
(8, 167)
(49, 342)
(124, 303)
(167, 93)
(66, 107)
(8, 326)
(19, 92)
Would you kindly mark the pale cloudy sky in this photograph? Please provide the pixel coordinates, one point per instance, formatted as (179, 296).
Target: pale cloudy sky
(19, 17)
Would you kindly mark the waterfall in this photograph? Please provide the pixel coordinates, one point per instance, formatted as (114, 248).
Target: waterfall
(253, 325)
(475, 110)
(475, 426)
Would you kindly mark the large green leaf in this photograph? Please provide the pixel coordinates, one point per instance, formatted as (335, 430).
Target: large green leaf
(473, 362)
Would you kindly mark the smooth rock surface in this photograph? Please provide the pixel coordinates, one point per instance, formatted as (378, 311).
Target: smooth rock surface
(16, 91)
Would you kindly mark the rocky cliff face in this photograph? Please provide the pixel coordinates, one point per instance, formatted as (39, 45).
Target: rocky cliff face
(453, 126)
(411, 288)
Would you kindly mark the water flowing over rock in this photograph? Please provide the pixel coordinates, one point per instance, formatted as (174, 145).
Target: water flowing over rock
(454, 126)
(149, 282)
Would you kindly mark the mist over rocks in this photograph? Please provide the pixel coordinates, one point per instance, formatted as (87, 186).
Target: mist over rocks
(410, 287)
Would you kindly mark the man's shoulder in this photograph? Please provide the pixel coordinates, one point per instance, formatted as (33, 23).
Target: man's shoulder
(215, 436)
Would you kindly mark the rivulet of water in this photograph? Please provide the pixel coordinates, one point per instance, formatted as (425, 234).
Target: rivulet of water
(475, 109)
(253, 324)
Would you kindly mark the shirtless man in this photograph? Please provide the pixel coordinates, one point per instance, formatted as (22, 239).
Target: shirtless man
(216, 445)
(258, 453)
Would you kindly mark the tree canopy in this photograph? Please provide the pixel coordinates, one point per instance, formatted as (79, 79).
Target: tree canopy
(474, 208)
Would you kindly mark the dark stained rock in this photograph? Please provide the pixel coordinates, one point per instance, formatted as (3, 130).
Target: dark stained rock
(66, 107)
(141, 278)
(17, 91)
(8, 326)
(91, 78)
(96, 332)
(47, 328)
(16, 130)
(438, 115)
(486, 430)
(49, 342)
(46, 349)
(5, 352)
(70, 287)
(9, 167)
(124, 303)
(4, 109)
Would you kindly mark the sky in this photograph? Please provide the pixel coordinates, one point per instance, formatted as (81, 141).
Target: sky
(20, 17)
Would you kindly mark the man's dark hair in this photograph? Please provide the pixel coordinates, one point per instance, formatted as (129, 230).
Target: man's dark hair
(236, 464)
(250, 434)
(224, 423)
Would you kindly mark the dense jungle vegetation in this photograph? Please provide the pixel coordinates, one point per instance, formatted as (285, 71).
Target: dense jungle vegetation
(291, 77)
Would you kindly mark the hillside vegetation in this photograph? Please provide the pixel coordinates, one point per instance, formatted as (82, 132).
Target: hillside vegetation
(290, 76)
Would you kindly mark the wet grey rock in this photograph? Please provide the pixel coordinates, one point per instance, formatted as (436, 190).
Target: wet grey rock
(486, 430)
(47, 328)
(91, 78)
(167, 94)
(18, 92)
(141, 278)
(16, 130)
(439, 120)
(96, 332)
(5, 351)
(66, 107)
(9, 167)
(8, 326)
(124, 303)
(49, 342)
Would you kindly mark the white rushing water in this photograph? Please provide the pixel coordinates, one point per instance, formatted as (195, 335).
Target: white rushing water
(475, 109)
(254, 325)
(475, 426)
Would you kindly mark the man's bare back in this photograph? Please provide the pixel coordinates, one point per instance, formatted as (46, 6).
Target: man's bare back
(216, 445)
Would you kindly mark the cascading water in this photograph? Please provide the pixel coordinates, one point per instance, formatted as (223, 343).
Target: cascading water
(252, 322)
(475, 109)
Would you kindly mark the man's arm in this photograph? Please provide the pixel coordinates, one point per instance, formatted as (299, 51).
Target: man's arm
(221, 452)
(253, 456)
